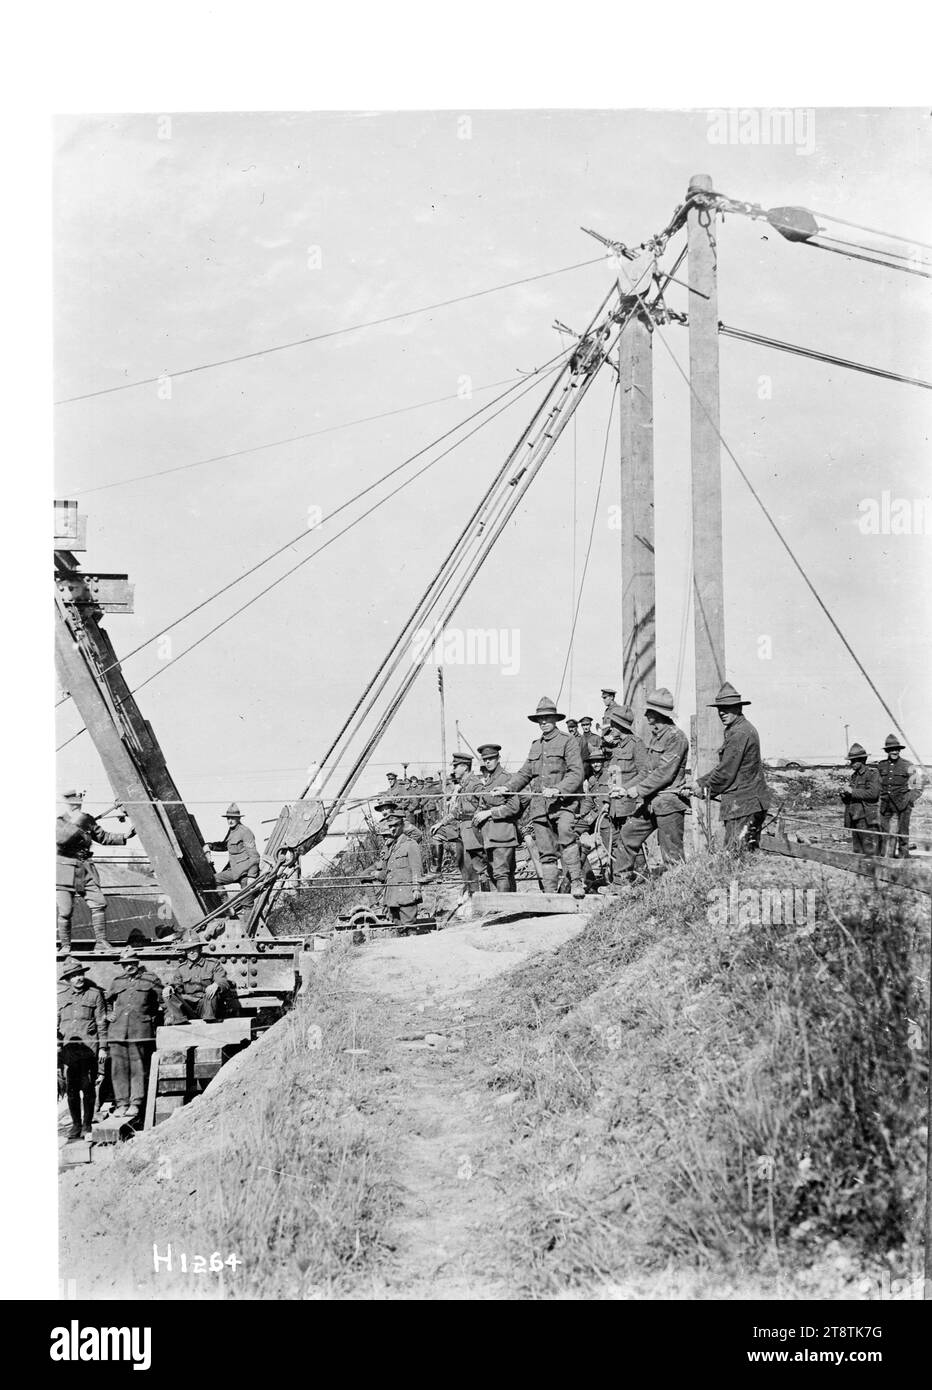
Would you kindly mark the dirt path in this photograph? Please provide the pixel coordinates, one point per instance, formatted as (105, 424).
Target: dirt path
(452, 1203)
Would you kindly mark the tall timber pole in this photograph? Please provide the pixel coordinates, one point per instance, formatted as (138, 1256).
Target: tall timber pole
(638, 593)
(443, 739)
(705, 449)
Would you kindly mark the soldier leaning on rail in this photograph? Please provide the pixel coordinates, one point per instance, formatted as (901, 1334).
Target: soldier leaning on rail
(75, 871)
(400, 869)
(199, 988)
(554, 772)
(738, 780)
(497, 820)
(82, 1041)
(661, 803)
(861, 797)
(134, 999)
(900, 788)
(239, 845)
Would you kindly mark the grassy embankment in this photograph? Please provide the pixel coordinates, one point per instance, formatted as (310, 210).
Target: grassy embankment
(698, 1093)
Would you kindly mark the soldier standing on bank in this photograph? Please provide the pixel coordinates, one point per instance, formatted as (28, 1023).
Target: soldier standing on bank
(401, 870)
(861, 798)
(76, 874)
(625, 768)
(554, 772)
(134, 998)
(82, 1042)
(497, 821)
(457, 830)
(239, 845)
(738, 780)
(898, 795)
(660, 803)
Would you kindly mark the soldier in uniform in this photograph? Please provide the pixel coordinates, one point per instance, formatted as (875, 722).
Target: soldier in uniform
(738, 780)
(75, 871)
(588, 739)
(625, 768)
(497, 821)
(554, 772)
(591, 820)
(572, 727)
(898, 795)
(457, 828)
(660, 805)
(861, 798)
(82, 1041)
(134, 998)
(400, 870)
(199, 988)
(239, 844)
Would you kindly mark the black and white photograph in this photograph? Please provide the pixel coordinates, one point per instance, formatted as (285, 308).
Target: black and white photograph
(492, 735)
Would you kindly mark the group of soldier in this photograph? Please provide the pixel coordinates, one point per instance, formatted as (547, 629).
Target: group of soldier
(585, 803)
(879, 799)
(118, 1022)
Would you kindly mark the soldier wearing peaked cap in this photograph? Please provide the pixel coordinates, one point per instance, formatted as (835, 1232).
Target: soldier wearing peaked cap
(553, 771)
(82, 1041)
(457, 830)
(400, 869)
(496, 820)
(861, 798)
(901, 786)
(239, 844)
(659, 799)
(738, 780)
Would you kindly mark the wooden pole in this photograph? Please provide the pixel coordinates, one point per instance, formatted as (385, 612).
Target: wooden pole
(443, 739)
(705, 448)
(638, 594)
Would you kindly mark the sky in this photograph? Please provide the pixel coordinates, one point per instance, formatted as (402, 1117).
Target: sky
(185, 240)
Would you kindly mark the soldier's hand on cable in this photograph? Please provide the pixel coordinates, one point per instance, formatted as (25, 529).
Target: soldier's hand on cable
(104, 1051)
(551, 791)
(499, 792)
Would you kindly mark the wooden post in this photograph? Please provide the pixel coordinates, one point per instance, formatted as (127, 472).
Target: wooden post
(705, 446)
(443, 739)
(638, 596)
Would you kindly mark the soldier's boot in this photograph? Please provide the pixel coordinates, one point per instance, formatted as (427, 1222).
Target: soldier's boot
(64, 935)
(550, 875)
(74, 1110)
(99, 928)
(88, 1124)
(572, 863)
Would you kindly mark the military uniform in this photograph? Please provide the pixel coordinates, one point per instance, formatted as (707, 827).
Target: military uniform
(554, 761)
(660, 806)
(400, 870)
(625, 768)
(76, 874)
(134, 1000)
(500, 832)
(190, 983)
(898, 796)
(239, 844)
(861, 799)
(82, 1030)
(738, 780)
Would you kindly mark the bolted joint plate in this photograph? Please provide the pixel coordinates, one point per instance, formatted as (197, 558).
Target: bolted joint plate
(112, 593)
